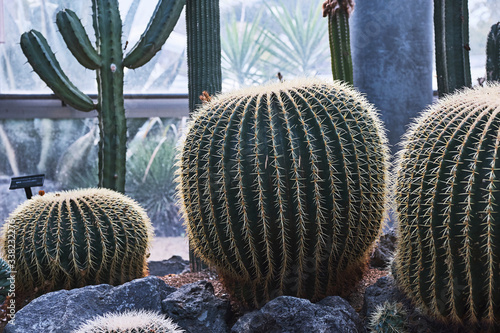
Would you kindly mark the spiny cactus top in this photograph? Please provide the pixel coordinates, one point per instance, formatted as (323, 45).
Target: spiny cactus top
(448, 205)
(132, 321)
(75, 238)
(283, 187)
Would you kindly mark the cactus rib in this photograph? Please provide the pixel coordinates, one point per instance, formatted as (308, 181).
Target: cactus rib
(76, 39)
(160, 26)
(45, 64)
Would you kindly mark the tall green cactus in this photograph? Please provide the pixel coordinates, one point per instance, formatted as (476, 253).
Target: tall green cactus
(131, 321)
(108, 61)
(493, 54)
(338, 12)
(75, 238)
(203, 49)
(451, 33)
(447, 198)
(283, 188)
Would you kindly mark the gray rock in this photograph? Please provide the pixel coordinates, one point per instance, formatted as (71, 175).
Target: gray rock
(195, 308)
(384, 251)
(174, 265)
(384, 289)
(286, 314)
(65, 310)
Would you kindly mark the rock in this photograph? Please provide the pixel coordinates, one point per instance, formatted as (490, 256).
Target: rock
(383, 253)
(286, 314)
(174, 265)
(384, 289)
(195, 308)
(65, 310)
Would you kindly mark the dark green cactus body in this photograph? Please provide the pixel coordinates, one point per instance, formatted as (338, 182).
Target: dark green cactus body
(5, 280)
(203, 49)
(448, 206)
(493, 53)
(107, 59)
(338, 12)
(76, 238)
(283, 188)
(389, 318)
(451, 33)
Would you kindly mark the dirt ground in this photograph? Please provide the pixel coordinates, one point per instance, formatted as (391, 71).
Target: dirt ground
(165, 247)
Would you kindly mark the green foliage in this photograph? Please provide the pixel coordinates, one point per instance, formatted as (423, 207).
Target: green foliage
(451, 32)
(338, 12)
(493, 54)
(131, 321)
(283, 188)
(76, 238)
(388, 318)
(447, 201)
(4, 280)
(108, 61)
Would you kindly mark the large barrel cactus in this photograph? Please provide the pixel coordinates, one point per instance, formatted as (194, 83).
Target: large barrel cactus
(448, 204)
(76, 238)
(283, 188)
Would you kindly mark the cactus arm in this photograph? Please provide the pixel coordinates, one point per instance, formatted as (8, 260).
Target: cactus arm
(45, 64)
(160, 26)
(493, 53)
(338, 13)
(451, 24)
(76, 39)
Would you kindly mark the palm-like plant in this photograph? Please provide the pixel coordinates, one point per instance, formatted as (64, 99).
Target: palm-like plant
(301, 47)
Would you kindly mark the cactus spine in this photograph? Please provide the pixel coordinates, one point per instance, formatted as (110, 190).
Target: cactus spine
(131, 321)
(451, 33)
(338, 12)
(108, 61)
(493, 54)
(388, 318)
(448, 207)
(75, 238)
(283, 188)
(5, 280)
(203, 49)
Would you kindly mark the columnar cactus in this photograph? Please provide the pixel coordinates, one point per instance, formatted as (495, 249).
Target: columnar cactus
(451, 33)
(388, 318)
(338, 12)
(448, 206)
(203, 49)
(283, 188)
(132, 321)
(76, 238)
(108, 61)
(493, 54)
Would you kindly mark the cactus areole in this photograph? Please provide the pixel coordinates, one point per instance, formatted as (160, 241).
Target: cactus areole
(108, 62)
(449, 208)
(283, 188)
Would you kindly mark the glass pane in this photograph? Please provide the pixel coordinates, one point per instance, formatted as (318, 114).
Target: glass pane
(66, 152)
(165, 73)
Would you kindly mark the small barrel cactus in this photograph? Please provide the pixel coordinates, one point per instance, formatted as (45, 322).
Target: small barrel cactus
(4, 280)
(283, 188)
(132, 321)
(447, 198)
(76, 238)
(388, 318)
(493, 53)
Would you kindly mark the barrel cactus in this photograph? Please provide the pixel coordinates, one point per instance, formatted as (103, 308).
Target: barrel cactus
(5, 280)
(76, 238)
(132, 321)
(389, 317)
(448, 205)
(283, 188)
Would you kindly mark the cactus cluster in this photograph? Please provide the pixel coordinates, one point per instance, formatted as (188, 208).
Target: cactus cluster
(283, 188)
(448, 205)
(338, 12)
(108, 61)
(451, 33)
(493, 53)
(76, 238)
(388, 318)
(131, 321)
